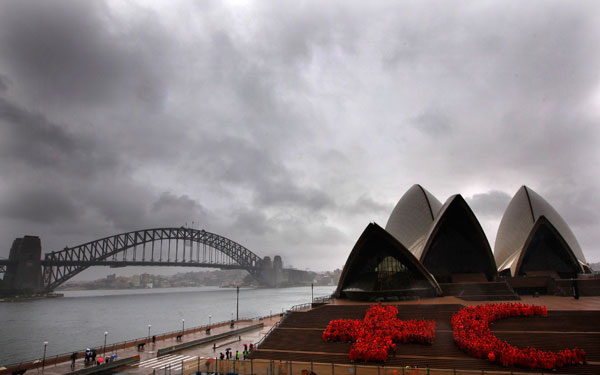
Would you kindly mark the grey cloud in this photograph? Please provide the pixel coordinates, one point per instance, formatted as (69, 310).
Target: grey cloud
(168, 200)
(121, 204)
(367, 205)
(492, 203)
(39, 205)
(30, 136)
(288, 193)
(575, 203)
(4, 83)
(77, 52)
(302, 32)
(433, 122)
(252, 222)
(172, 210)
(235, 162)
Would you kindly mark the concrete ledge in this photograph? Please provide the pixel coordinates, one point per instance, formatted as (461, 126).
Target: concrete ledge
(205, 340)
(105, 367)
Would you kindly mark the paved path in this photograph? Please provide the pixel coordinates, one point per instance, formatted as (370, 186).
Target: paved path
(149, 361)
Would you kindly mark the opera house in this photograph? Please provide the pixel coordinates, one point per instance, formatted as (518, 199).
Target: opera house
(432, 249)
(431, 266)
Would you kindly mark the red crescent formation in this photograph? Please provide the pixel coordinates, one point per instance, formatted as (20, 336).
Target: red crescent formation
(470, 326)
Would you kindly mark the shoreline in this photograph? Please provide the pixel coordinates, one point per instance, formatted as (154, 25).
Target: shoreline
(35, 297)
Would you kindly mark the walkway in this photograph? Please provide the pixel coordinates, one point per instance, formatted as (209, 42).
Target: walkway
(149, 360)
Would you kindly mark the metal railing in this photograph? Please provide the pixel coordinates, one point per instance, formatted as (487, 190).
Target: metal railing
(323, 299)
(277, 367)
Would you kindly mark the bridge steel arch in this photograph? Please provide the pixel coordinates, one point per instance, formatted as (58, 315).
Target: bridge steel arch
(60, 266)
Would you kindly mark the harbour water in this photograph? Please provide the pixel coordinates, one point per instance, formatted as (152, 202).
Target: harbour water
(80, 319)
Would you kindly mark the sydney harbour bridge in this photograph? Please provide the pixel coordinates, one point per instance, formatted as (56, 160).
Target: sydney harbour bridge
(172, 247)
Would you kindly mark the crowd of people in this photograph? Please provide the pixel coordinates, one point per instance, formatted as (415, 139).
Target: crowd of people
(472, 334)
(229, 353)
(374, 337)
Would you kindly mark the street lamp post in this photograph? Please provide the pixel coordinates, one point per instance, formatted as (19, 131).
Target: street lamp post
(44, 359)
(182, 326)
(149, 326)
(237, 305)
(210, 316)
(312, 294)
(104, 349)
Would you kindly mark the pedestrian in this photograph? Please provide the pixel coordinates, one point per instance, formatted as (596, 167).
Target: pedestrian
(251, 346)
(245, 354)
(237, 355)
(73, 358)
(222, 356)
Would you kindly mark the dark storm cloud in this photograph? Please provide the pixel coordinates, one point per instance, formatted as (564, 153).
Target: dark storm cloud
(170, 209)
(4, 83)
(252, 222)
(31, 137)
(39, 205)
(68, 52)
(235, 162)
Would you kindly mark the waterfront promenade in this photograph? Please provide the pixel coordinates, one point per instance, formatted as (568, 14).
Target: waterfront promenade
(224, 337)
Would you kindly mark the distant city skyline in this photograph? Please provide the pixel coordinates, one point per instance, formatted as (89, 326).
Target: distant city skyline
(288, 127)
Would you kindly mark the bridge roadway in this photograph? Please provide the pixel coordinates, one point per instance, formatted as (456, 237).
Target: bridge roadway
(149, 360)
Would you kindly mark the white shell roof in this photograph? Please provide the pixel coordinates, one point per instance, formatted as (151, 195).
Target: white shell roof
(517, 222)
(413, 216)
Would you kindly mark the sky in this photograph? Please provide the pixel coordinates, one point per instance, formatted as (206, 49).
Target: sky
(288, 126)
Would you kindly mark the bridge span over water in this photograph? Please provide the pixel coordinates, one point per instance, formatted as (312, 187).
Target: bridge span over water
(171, 247)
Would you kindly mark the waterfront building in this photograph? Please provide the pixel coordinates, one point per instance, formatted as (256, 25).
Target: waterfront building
(427, 248)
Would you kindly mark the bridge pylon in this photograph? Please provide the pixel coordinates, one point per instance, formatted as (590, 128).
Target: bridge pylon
(24, 269)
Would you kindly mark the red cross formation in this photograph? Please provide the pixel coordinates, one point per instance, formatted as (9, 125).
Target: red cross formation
(377, 334)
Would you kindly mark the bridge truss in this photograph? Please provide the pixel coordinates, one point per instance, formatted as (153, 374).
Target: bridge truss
(150, 247)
